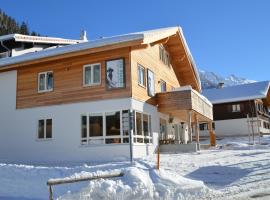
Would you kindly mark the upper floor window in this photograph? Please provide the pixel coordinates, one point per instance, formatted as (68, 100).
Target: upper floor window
(45, 81)
(236, 108)
(141, 75)
(164, 55)
(115, 73)
(150, 83)
(91, 74)
(162, 86)
(45, 129)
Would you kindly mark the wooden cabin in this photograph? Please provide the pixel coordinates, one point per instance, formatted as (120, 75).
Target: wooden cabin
(101, 100)
(240, 110)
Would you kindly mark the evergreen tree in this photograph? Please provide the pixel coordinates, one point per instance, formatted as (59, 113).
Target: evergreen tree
(9, 25)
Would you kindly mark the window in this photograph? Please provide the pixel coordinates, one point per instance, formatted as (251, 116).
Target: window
(91, 74)
(92, 129)
(45, 81)
(142, 128)
(113, 127)
(164, 55)
(204, 126)
(45, 129)
(105, 128)
(236, 108)
(162, 86)
(150, 83)
(115, 74)
(141, 75)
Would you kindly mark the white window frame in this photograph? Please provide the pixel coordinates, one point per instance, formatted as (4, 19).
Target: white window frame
(140, 67)
(46, 86)
(92, 74)
(45, 129)
(149, 137)
(104, 136)
(236, 108)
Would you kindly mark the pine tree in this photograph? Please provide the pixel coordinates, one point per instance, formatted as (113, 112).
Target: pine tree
(9, 25)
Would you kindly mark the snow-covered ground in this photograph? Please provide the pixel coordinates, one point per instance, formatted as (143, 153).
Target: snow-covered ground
(232, 170)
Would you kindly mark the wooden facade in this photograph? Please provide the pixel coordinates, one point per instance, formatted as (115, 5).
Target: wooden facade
(68, 87)
(179, 103)
(150, 60)
(224, 111)
(68, 80)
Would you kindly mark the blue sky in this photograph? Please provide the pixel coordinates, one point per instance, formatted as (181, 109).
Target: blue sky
(225, 36)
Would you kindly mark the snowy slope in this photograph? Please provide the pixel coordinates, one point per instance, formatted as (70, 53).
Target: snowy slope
(211, 80)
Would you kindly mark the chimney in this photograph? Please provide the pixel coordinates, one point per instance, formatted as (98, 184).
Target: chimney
(220, 85)
(83, 35)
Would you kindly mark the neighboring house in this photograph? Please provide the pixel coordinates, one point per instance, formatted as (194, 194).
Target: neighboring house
(100, 100)
(17, 44)
(240, 110)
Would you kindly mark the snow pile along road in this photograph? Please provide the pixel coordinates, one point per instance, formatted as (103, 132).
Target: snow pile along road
(142, 182)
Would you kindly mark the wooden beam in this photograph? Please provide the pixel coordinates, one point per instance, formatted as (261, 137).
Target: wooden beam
(189, 120)
(162, 41)
(197, 133)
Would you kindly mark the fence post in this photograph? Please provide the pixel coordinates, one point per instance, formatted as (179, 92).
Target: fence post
(50, 193)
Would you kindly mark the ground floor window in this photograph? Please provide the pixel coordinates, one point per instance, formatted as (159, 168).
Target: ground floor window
(105, 128)
(142, 132)
(205, 127)
(45, 129)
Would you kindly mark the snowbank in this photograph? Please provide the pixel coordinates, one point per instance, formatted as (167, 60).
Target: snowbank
(142, 183)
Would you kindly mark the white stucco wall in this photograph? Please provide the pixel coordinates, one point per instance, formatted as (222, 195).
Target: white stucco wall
(232, 127)
(18, 130)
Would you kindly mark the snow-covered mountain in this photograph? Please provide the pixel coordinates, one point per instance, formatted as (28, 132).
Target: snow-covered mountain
(211, 80)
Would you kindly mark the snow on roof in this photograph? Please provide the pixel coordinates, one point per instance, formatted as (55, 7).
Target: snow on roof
(257, 90)
(146, 37)
(38, 39)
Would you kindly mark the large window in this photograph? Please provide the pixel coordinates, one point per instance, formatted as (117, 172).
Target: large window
(113, 127)
(91, 74)
(45, 81)
(105, 128)
(45, 129)
(150, 83)
(115, 73)
(141, 75)
(142, 133)
(92, 129)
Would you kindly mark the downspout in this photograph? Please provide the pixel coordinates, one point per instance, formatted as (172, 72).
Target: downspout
(9, 52)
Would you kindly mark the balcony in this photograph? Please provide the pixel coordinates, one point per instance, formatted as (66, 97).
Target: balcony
(183, 101)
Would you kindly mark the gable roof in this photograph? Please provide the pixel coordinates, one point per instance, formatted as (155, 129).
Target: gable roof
(250, 91)
(38, 39)
(175, 42)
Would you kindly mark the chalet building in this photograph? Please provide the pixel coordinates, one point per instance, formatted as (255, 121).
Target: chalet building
(98, 100)
(240, 110)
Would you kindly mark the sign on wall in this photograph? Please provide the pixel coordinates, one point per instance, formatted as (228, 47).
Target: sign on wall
(150, 83)
(115, 74)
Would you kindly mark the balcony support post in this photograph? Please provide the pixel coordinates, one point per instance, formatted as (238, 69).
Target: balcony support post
(189, 114)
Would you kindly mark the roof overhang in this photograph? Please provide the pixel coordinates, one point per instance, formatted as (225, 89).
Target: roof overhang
(172, 38)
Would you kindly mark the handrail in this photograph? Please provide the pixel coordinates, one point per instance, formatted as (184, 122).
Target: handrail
(59, 181)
